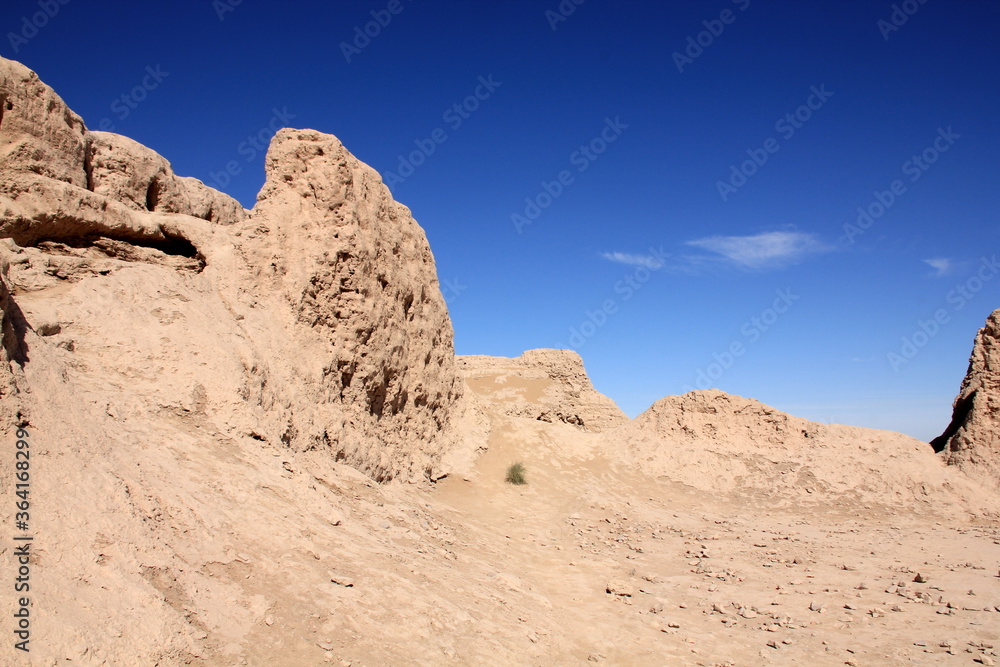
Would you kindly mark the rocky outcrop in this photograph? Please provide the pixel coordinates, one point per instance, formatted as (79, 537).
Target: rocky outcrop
(972, 439)
(547, 385)
(357, 275)
(199, 381)
(39, 134)
(725, 444)
(324, 326)
(127, 172)
(60, 182)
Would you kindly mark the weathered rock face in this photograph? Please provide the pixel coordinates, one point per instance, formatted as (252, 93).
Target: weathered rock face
(358, 276)
(61, 182)
(200, 381)
(972, 440)
(322, 321)
(721, 443)
(40, 135)
(126, 171)
(548, 385)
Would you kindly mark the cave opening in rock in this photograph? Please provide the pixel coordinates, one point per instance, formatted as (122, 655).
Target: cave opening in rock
(176, 246)
(153, 195)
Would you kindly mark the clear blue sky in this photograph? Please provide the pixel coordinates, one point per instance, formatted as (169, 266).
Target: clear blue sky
(679, 197)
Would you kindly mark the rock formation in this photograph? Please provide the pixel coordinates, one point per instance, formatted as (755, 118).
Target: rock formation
(358, 275)
(721, 443)
(972, 439)
(548, 385)
(328, 286)
(127, 172)
(61, 182)
(200, 381)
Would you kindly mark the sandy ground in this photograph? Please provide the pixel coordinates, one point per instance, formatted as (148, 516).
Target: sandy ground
(640, 571)
(212, 548)
(590, 562)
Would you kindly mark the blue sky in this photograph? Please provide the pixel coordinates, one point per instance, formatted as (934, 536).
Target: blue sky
(672, 189)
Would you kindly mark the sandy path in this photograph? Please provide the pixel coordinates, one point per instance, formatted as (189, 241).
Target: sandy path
(703, 580)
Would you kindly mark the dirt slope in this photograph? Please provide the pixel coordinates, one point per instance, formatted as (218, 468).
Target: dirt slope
(972, 439)
(716, 442)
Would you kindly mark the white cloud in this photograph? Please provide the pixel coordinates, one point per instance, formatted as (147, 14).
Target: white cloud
(765, 250)
(942, 266)
(648, 261)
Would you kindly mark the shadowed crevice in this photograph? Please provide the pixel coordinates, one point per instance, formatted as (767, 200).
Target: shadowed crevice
(13, 335)
(123, 248)
(961, 413)
(153, 195)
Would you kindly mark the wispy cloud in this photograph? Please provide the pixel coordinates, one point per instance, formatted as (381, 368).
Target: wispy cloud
(763, 251)
(648, 261)
(941, 265)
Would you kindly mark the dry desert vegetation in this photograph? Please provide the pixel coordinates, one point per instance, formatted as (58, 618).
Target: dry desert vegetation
(248, 441)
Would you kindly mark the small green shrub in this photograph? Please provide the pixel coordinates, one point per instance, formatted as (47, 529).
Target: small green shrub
(515, 474)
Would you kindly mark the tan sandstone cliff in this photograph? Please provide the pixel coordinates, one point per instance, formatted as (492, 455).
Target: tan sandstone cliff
(972, 440)
(328, 286)
(197, 378)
